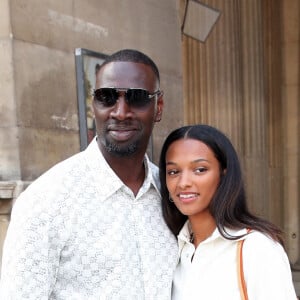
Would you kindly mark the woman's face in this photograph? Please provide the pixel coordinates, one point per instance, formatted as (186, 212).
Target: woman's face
(192, 176)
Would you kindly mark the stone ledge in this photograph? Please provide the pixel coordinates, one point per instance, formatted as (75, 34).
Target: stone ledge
(9, 191)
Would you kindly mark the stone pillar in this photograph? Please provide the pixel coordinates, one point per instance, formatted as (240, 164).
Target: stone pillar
(9, 139)
(272, 19)
(224, 87)
(291, 126)
(254, 108)
(9, 150)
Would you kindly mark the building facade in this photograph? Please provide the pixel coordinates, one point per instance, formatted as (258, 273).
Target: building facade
(244, 79)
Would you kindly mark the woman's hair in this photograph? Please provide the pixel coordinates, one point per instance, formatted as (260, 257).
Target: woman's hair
(228, 205)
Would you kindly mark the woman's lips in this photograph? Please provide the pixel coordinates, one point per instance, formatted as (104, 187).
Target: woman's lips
(187, 197)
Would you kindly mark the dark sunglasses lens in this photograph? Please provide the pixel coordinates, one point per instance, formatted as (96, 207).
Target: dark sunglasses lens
(137, 97)
(106, 96)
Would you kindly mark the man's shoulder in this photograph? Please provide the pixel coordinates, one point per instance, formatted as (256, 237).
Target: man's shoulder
(65, 165)
(76, 161)
(55, 175)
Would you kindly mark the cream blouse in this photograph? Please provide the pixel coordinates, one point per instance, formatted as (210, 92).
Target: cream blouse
(212, 273)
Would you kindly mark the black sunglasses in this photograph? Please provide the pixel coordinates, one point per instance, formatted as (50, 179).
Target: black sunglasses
(135, 97)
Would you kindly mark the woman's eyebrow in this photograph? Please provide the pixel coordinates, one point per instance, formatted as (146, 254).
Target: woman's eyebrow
(194, 161)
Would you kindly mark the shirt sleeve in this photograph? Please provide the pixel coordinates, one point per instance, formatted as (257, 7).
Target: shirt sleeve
(31, 249)
(267, 269)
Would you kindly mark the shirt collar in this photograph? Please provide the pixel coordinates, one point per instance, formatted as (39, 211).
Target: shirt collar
(97, 163)
(152, 174)
(184, 235)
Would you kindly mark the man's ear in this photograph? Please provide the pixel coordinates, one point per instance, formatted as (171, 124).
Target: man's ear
(159, 107)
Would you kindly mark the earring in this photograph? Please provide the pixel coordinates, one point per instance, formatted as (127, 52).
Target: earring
(170, 199)
(158, 118)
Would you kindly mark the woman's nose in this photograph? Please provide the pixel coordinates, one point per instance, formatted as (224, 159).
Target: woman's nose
(184, 180)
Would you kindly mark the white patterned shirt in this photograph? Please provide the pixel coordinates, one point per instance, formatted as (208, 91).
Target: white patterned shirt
(79, 233)
(212, 273)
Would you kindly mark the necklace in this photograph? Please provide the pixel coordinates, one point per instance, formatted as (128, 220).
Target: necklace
(201, 237)
(192, 237)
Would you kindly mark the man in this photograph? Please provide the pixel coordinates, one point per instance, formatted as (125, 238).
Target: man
(91, 227)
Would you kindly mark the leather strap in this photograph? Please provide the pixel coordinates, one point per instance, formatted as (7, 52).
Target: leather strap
(241, 279)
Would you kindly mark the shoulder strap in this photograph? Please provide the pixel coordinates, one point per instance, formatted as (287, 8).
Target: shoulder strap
(241, 279)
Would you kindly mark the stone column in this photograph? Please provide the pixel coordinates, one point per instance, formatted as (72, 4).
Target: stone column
(224, 87)
(291, 126)
(254, 107)
(9, 143)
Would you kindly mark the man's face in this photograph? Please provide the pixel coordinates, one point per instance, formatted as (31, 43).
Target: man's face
(124, 129)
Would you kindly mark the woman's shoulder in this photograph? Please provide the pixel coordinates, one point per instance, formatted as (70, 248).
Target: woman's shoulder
(258, 243)
(266, 268)
(254, 236)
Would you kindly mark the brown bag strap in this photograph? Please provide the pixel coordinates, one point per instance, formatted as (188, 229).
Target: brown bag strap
(241, 279)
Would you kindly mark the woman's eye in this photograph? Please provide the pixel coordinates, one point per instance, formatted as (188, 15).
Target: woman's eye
(172, 172)
(200, 170)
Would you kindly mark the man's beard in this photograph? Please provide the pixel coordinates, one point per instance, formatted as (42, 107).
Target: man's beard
(120, 151)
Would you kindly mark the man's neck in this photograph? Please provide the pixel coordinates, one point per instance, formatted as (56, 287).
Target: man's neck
(131, 170)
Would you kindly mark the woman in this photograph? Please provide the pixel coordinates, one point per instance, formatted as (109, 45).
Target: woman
(204, 205)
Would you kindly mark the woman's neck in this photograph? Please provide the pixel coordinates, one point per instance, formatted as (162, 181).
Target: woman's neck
(201, 228)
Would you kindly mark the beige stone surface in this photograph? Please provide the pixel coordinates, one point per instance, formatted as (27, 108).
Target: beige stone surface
(42, 148)
(5, 28)
(9, 154)
(291, 24)
(4, 221)
(5, 205)
(291, 104)
(7, 101)
(151, 26)
(45, 83)
(291, 67)
(292, 110)
(6, 194)
(172, 111)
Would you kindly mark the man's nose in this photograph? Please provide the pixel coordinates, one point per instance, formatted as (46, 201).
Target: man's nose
(121, 109)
